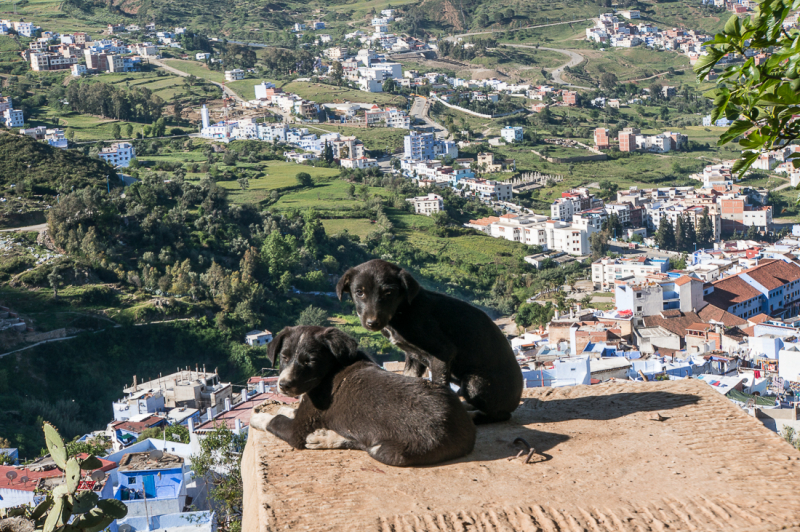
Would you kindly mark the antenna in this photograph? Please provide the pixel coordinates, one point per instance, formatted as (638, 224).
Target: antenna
(156, 454)
(24, 480)
(11, 475)
(98, 475)
(125, 528)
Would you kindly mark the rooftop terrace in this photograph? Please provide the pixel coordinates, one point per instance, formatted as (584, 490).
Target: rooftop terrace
(606, 462)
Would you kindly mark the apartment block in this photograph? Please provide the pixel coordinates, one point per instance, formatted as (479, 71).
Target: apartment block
(605, 272)
(118, 154)
(427, 205)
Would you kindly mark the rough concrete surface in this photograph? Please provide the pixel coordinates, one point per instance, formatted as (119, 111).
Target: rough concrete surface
(606, 463)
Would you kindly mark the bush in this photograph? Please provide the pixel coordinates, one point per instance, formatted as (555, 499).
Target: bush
(98, 295)
(15, 265)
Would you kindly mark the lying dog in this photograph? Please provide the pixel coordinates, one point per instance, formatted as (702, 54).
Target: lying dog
(455, 340)
(348, 402)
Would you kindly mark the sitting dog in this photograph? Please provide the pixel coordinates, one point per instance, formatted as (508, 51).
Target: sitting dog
(348, 402)
(453, 339)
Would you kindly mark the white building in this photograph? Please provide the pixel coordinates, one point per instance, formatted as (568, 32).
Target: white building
(488, 189)
(258, 338)
(427, 205)
(512, 134)
(118, 154)
(234, 75)
(358, 162)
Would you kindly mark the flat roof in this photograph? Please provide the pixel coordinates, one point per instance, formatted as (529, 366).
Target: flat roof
(605, 463)
(143, 462)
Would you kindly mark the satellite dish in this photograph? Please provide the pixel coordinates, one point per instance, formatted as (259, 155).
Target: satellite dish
(155, 454)
(124, 528)
(98, 475)
(11, 475)
(24, 480)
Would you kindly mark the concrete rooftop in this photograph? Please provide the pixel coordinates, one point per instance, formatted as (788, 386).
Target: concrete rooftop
(606, 464)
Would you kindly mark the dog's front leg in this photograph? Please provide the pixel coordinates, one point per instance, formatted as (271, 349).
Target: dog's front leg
(440, 371)
(414, 366)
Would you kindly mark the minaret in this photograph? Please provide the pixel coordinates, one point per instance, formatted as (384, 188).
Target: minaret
(204, 115)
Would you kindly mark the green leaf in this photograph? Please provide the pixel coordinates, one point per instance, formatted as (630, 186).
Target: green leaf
(113, 508)
(84, 501)
(737, 128)
(41, 508)
(101, 525)
(732, 27)
(73, 475)
(55, 445)
(90, 520)
(56, 515)
(91, 463)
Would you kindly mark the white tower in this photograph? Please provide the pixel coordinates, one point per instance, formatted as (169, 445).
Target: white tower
(204, 115)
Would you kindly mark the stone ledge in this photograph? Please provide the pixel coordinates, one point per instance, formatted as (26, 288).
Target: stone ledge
(606, 464)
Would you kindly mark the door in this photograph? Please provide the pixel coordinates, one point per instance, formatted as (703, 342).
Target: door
(149, 483)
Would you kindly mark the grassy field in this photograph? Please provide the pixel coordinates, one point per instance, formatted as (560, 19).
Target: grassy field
(322, 93)
(354, 226)
(278, 175)
(86, 127)
(244, 88)
(197, 69)
(330, 195)
(376, 138)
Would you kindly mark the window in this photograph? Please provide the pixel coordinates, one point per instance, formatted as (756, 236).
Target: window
(131, 480)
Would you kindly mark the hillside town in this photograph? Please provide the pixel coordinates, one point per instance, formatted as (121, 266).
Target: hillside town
(175, 192)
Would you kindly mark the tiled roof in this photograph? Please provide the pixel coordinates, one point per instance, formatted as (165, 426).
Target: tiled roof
(674, 324)
(243, 411)
(138, 426)
(774, 273)
(683, 279)
(758, 318)
(714, 313)
(699, 327)
(730, 291)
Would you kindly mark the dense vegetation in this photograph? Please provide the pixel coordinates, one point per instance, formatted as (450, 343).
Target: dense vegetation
(107, 100)
(37, 168)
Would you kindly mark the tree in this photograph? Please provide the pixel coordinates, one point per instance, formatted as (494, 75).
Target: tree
(177, 109)
(530, 314)
(337, 72)
(70, 134)
(665, 234)
(598, 243)
(244, 183)
(608, 81)
(128, 131)
(509, 13)
(175, 433)
(115, 131)
(761, 99)
(55, 282)
(680, 233)
(219, 463)
(304, 179)
(690, 235)
(312, 315)
(328, 154)
(389, 85)
(705, 231)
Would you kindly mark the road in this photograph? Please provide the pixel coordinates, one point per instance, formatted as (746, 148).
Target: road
(575, 59)
(38, 228)
(183, 74)
(419, 109)
(454, 37)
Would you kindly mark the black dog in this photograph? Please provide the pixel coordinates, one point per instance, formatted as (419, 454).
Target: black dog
(455, 340)
(348, 402)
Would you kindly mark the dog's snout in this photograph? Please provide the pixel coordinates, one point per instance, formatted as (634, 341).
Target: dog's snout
(372, 323)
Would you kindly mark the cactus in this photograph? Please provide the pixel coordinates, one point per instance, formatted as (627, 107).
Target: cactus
(66, 509)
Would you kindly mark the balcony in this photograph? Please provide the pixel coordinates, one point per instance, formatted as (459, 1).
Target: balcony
(669, 295)
(603, 464)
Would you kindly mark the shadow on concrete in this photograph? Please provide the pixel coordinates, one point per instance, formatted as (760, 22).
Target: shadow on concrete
(599, 407)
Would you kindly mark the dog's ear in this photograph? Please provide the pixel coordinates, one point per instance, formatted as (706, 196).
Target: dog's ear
(343, 347)
(276, 344)
(410, 285)
(344, 283)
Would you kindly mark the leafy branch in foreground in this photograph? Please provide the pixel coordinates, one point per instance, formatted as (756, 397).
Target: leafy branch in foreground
(56, 512)
(761, 98)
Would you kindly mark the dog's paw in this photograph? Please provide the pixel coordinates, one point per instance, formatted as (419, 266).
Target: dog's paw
(260, 421)
(325, 439)
(287, 411)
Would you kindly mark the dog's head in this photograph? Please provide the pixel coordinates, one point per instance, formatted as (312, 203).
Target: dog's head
(308, 355)
(377, 288)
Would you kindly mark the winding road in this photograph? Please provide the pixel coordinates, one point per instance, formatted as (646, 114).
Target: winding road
(183, 74)
(419, 109)
(454, 37)
(575, 59)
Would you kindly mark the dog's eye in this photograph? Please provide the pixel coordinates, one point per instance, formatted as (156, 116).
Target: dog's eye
(359, 293)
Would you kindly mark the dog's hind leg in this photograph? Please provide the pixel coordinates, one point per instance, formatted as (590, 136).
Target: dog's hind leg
(390, 453)
(328, 439)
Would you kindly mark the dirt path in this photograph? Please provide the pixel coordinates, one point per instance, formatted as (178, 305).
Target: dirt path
(454, 37)
(575, 59)
(38, 228)
(183, 74)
